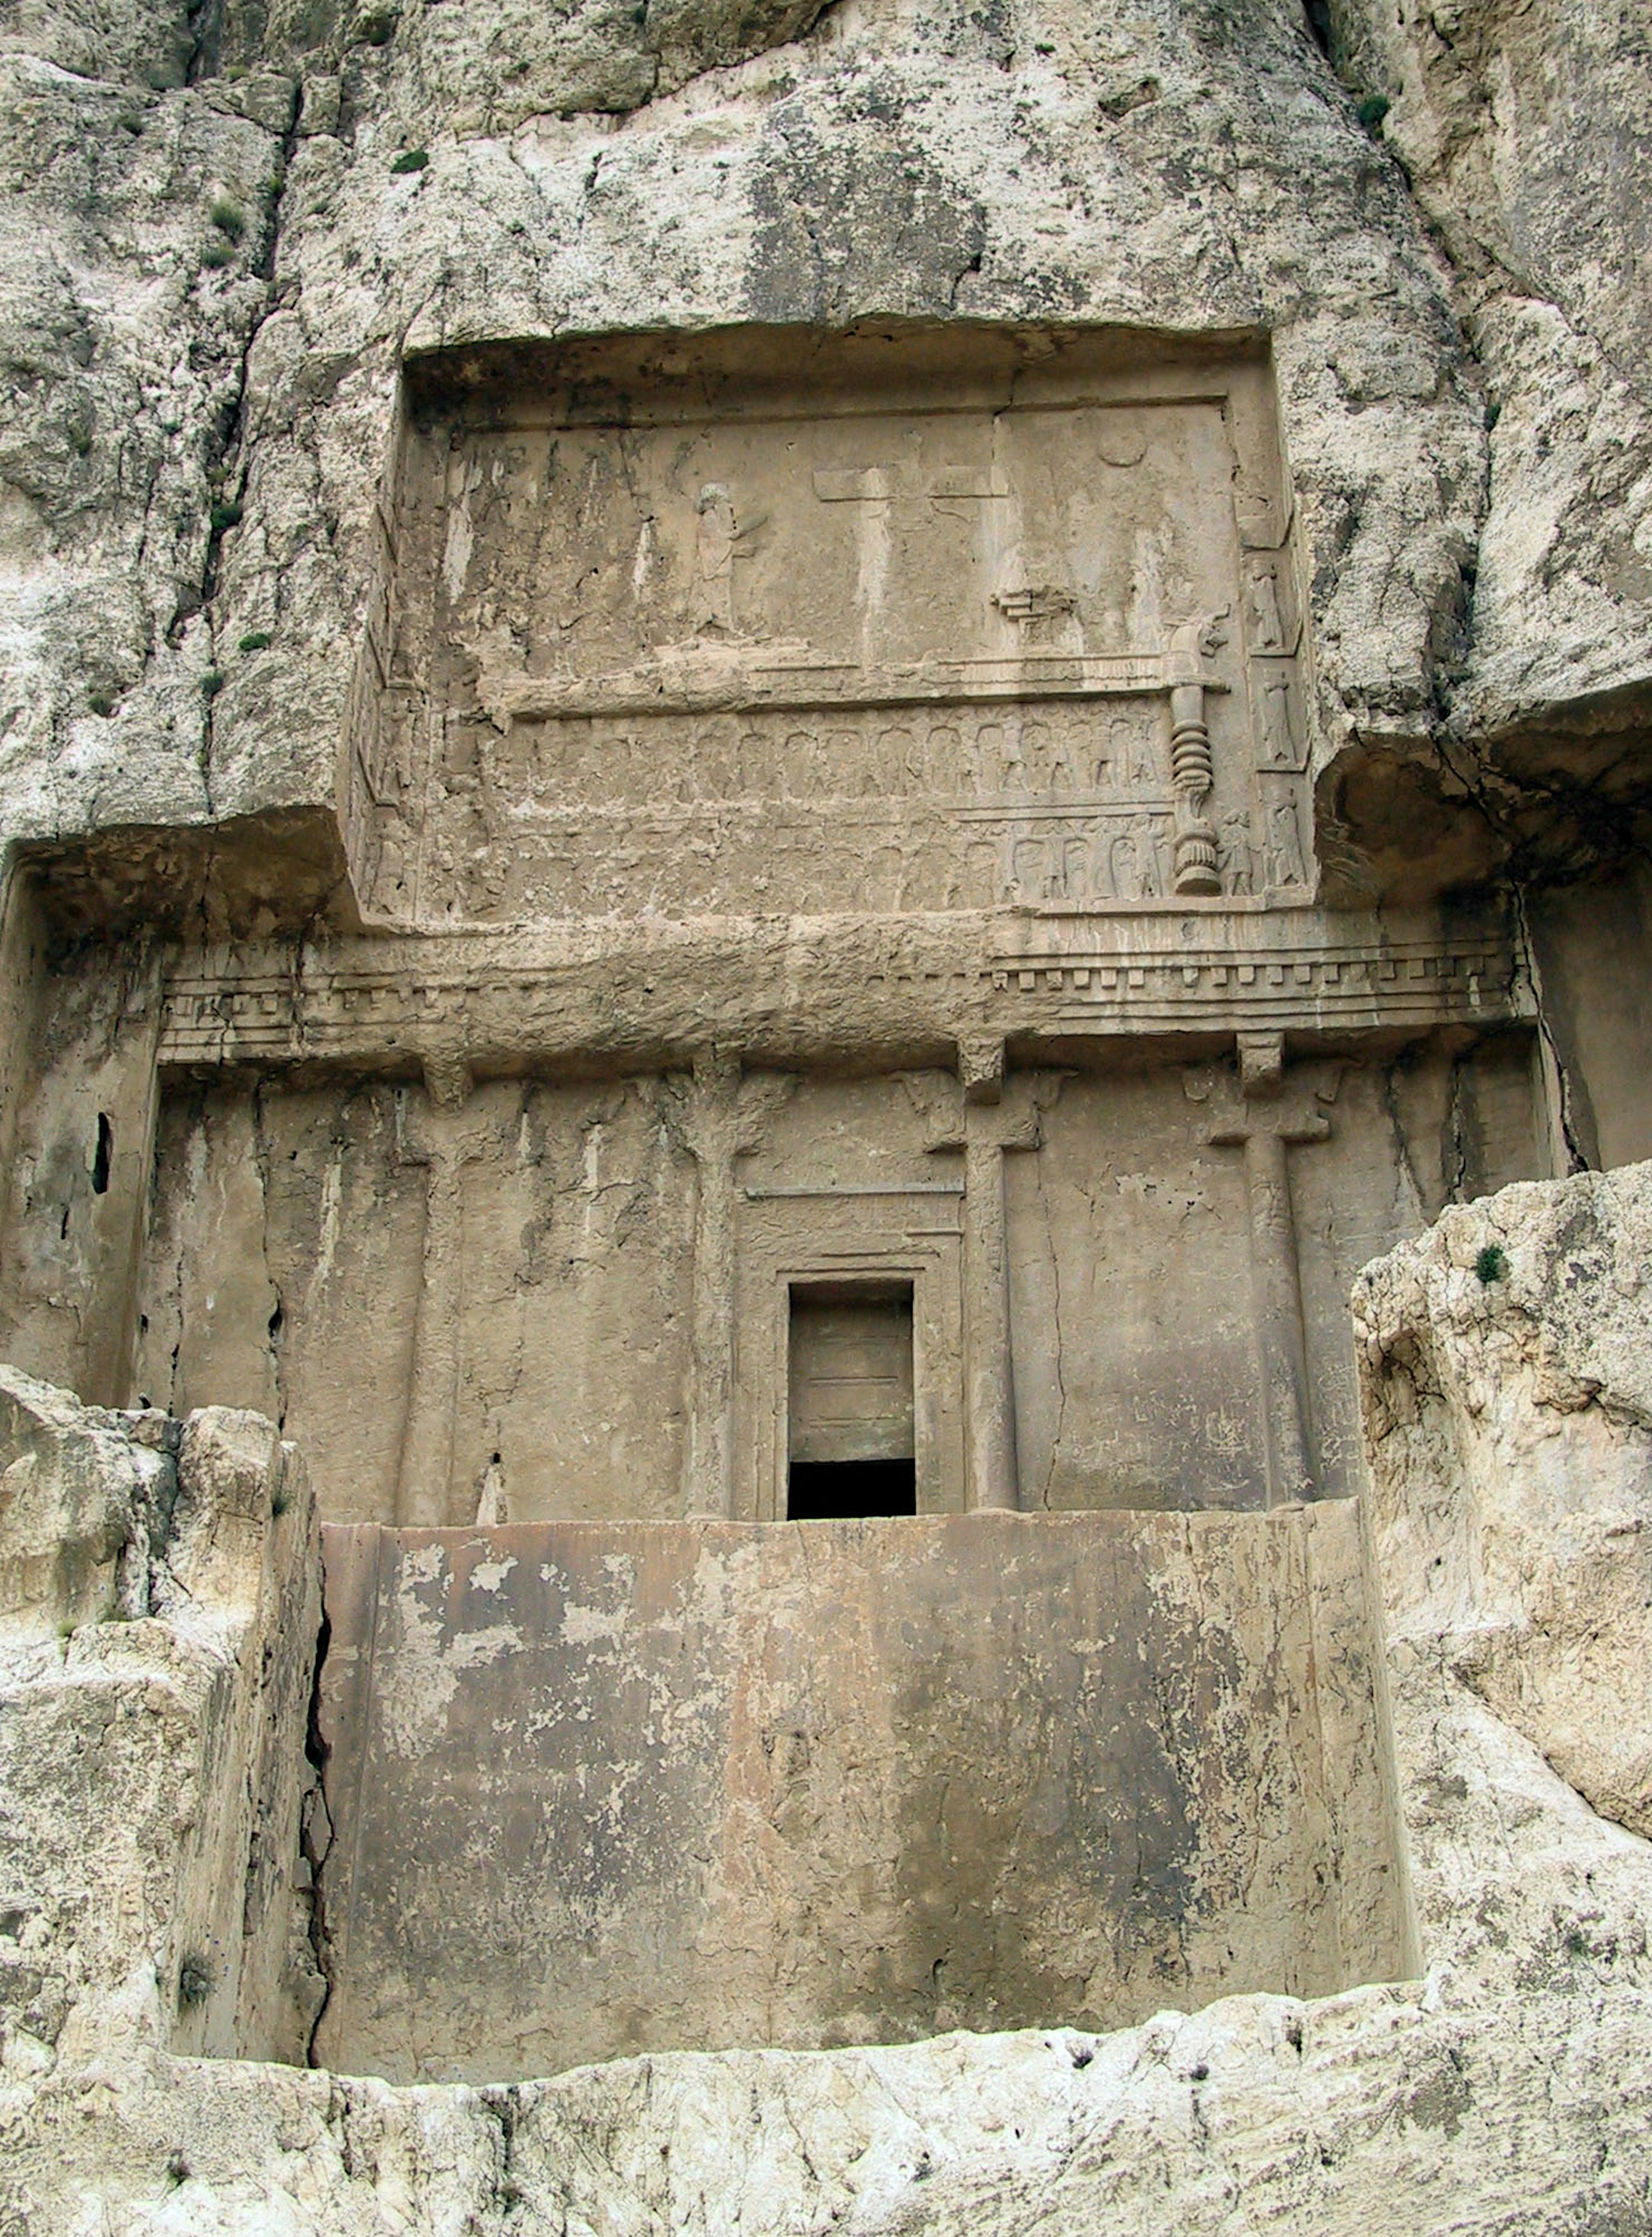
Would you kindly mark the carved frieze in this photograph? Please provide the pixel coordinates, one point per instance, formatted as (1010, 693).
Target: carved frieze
(1029, 633)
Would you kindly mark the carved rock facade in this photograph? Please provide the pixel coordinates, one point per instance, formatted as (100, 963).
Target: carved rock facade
(772, 779)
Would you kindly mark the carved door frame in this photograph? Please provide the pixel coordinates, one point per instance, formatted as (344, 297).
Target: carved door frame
(911, 1234)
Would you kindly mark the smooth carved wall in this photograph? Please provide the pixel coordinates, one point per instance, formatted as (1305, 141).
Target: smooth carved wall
(890, 623)
(846, 1782)
(545, 1319)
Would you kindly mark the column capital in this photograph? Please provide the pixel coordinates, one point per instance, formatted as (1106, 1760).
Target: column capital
(1015, 1121)
(1261, 1066)
(448, 1079)
(430, 1131)
(981, 1066)
(721, 1111)
(1260, 1102)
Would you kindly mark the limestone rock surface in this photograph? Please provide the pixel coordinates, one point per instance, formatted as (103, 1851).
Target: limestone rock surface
(1507, 1399)
(155, 1682)
(198, 417)
(201, 417)
(134, 228)
(1524, 134)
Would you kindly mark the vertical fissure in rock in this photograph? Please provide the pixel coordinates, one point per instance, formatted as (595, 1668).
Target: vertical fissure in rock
(315, 1835)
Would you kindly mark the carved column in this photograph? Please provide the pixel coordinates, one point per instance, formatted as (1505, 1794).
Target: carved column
(710, 1132)
(723, 1117)
(990, 1122)
(1265, 1122)
(1192, 771)
(989, 1358)
(443, 1139)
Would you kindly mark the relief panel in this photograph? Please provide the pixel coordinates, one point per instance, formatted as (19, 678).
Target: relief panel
(556, 1291)
(1023, 632)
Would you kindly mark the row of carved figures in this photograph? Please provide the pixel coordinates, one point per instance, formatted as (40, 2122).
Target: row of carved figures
(708, 758)
(1082, 860)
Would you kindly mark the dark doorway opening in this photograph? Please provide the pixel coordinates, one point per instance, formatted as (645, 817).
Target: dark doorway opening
(850, 1414)
(826, 1491)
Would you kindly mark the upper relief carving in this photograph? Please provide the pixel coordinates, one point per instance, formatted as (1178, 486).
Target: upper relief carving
(1013, 622)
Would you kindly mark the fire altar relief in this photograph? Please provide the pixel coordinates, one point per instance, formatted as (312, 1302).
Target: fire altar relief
(918, 624)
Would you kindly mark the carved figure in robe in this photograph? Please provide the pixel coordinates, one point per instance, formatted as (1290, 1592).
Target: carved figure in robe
(1013, 764)
(797, 765)
(1235, 860)
(1143, 761)
(721, 537)
(1277, 721)
(1031, 870)
(1284, 863)
(946, 767)
(1155, 863)
(1037, 755)
(1267, 629)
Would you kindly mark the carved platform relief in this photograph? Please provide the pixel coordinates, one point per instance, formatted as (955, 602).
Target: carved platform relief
(1035, 643)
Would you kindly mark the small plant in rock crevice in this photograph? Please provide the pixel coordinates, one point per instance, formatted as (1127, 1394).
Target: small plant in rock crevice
(226, 216)
(224, 516)
(1490, 1264)
(411, 159)
(1372, 109)
(254, 641)
(216, 255)
(195, 1978)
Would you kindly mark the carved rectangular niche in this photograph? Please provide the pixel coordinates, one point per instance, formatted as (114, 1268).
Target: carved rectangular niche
(870, 1239)
(907, 619)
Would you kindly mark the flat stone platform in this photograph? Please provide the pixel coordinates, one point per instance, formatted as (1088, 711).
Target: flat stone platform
(600, 1788)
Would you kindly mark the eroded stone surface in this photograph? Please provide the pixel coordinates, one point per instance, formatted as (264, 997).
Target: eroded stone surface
(1172, 170)
(560, 1245)
(1505, 2087)
(716, 1785)
(233, 236)
(1509, 1416)
(899, 622)
(1524, 132)
(160, 1589)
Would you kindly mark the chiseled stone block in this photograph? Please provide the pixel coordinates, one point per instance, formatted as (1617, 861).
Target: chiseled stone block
(601, 1789)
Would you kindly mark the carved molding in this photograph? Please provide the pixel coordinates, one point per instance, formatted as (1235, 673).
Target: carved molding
(438, 1001)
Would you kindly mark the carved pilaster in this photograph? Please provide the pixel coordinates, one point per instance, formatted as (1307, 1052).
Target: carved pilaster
(721, 1117)
(440, 1134)
(1265, 1118)
(985, 1130)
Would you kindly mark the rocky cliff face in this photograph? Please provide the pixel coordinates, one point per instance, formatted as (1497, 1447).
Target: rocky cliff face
(228, 225)
(159, 1600)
